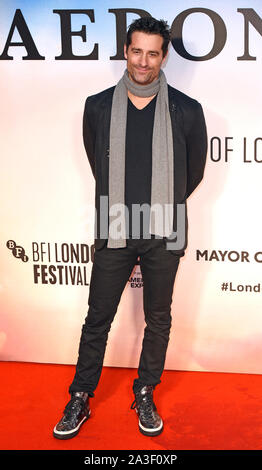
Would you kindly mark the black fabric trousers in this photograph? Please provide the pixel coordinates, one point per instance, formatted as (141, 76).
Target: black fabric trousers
(110, 273)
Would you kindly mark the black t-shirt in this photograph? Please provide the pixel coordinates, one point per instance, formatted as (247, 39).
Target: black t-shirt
(138, 163)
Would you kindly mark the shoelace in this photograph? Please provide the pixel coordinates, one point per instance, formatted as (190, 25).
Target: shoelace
(148, 394)
(76, 404)
(133, 404)
(145, 404)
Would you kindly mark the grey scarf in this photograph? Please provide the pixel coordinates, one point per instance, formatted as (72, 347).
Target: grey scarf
(162, 187)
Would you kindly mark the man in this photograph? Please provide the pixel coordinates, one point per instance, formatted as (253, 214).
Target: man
(146, 143)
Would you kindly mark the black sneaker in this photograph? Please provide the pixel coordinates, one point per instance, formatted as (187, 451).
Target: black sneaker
(150, 423)
(76, 412)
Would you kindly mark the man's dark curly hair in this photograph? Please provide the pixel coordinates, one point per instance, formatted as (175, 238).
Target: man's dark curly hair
(150, 25)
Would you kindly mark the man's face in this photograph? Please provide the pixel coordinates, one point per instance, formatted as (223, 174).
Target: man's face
(144, 57)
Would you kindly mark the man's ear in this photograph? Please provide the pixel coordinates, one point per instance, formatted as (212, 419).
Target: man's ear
(164, 59)
(125, 51)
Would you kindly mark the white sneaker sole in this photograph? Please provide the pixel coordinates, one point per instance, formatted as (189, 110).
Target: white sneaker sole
(150, 431)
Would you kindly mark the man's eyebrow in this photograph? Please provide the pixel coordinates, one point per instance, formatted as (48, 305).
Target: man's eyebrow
(138, 49)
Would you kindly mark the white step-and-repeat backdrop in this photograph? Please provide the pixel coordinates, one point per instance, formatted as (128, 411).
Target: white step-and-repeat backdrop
(54, 54)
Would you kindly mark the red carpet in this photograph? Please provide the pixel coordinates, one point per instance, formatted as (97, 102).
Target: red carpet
(207, 411)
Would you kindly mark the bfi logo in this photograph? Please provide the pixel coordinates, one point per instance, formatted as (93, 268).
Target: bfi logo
(17, 251)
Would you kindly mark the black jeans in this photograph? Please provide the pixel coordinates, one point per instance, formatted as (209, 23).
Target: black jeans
(110, 273)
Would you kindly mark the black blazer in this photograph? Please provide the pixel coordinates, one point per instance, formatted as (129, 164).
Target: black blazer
(189, 140)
